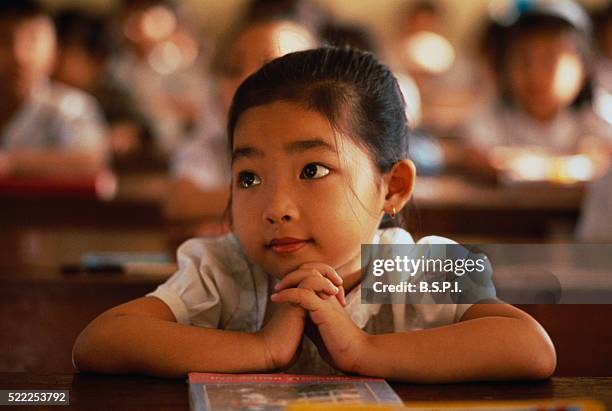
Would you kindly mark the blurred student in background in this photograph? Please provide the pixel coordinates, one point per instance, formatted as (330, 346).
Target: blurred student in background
(84, 48)
(595, 224)
(546, 90)
(603, 35)
(164, 67)
(201, 166)
(450, 84)
(46, 128)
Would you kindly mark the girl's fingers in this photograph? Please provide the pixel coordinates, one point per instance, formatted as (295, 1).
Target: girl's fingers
(326, 271)
(300, 296)
(319, 285)
(296, 277)
(341, 296)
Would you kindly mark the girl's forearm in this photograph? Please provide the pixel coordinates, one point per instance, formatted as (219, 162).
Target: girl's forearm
(116, 343)
(488, 348)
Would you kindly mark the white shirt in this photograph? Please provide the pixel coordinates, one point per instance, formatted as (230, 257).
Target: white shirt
(205, 161)
(503, 126)
(56, 116)
(217, 286)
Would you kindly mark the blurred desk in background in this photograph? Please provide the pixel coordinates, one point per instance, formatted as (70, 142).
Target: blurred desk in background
(456, 206)
(51, 230)
(446, 205)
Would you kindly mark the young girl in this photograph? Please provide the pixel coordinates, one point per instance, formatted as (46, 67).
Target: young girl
(318, 144)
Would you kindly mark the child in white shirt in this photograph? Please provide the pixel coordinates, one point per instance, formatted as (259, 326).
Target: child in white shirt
(319, 142)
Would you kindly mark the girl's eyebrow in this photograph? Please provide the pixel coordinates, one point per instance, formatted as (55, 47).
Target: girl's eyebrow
(293, 147)
(303, 145)
(246, 152)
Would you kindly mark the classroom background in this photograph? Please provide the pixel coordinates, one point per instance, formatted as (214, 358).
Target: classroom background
(112, 145)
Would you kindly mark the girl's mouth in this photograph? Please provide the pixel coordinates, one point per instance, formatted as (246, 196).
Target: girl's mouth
(287, 245)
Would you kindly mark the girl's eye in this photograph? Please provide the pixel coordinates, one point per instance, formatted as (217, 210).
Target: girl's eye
(247, 179)
(313, 170)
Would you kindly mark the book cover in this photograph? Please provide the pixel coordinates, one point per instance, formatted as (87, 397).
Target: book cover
(564, 404)
(272, 392)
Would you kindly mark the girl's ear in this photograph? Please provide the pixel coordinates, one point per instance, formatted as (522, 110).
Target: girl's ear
(400, 184)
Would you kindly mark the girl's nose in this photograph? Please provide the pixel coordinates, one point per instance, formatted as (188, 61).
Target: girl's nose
(272, 220)
(279, 207)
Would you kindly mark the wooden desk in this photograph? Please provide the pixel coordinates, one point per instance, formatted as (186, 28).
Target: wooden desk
(137, 203)
(55, 230)
(93, 392)
(445, 205)
(43, 311)
(456, 206)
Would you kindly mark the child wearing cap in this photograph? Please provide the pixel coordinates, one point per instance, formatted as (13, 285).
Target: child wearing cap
(546, 89)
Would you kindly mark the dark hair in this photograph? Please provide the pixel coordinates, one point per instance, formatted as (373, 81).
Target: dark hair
(602, 19)
(86, 31)
(140, 4)
(357, 94)
(349, 35)
(534, 23)
(19, 9)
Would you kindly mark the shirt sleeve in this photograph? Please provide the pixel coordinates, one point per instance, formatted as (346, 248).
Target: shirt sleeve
(192, 293)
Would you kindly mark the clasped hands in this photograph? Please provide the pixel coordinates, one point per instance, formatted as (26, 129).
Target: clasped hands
(313, 291)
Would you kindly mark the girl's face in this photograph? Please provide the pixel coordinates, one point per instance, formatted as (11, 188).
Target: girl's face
(297, 195)
(545, 73)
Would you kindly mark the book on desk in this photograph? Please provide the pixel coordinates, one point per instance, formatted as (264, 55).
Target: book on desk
(290, 392)
(210, 392)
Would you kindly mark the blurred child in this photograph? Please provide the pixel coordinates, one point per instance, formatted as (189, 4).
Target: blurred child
(162, 64)
(319, 142)
(201, 166)
(451, 86)
(603, 31)
(84, 48)
(545, 85)
(45, 127)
